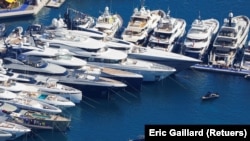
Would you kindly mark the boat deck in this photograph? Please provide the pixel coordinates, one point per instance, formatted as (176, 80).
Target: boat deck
(116, 72)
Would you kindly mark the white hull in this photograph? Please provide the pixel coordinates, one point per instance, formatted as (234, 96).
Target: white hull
(168, 33)
(14, 129)
(199, 37)
(148, 73)
(230, 39)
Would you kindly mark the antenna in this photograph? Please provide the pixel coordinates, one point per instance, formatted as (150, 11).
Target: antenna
(142, 3)
(199, 16)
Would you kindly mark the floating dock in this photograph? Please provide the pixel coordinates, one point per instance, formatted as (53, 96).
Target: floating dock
(24, 9)
(212, 68)
(55, 3)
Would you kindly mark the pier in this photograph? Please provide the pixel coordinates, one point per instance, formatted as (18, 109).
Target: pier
(23, 9)
(55, 3)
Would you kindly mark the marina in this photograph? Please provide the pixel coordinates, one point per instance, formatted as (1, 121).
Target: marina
(103, 102)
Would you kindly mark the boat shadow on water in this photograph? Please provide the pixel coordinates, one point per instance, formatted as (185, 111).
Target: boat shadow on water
(44, 135)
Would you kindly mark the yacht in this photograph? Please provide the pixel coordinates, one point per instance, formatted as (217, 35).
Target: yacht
(31, 104)
(97, 53)
(52, 99)
(32, 65)
(6, 95)
(108, 23)
(16, 130)
(178, 61)
(231, 38)
(61, 57)
(84, 82)
(132, 80)
(78, 20)
(199, 37)
(168, 33)
(40, 121)
(10, 85)
(141, 24)
(51, 85)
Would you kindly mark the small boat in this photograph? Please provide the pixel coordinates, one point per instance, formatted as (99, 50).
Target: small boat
(210, 95)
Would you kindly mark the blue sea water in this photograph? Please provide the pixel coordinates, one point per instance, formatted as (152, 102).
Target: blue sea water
(176, 100)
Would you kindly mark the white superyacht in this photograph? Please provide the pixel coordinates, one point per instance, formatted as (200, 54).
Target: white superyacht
(231, 38)
(168, 33)
(199, 37)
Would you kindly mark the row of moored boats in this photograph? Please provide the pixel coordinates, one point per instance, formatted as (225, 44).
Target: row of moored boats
(47, 68)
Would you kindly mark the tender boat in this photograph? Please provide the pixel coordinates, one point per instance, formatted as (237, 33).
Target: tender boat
(199, 37)
(108, 23)
(210, 95)
(230, 40)
(168, 33)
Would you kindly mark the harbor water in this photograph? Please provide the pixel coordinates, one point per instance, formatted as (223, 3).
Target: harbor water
(175, 100)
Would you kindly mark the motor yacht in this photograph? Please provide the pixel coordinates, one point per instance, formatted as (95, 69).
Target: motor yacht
(199, 37)
(53, 99)
(61, 57)
(97, 53)
(178, 61)
(230, 40)
(32, 65)
(141, 24)
(31, 104)
(16, 130)
(51, 85)
(10, 84)
(40, 120)
(108, 23)
(6, 95)
(168, 34)
(8, 129)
